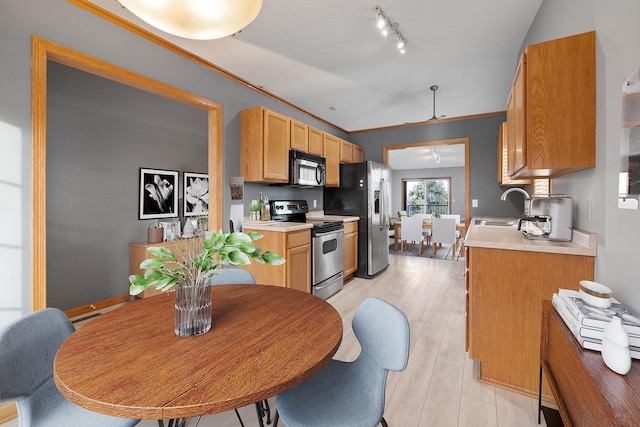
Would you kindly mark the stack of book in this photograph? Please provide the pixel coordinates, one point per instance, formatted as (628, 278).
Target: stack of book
(587, 322)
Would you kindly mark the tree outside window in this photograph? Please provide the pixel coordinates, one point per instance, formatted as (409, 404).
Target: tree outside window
(426, 195)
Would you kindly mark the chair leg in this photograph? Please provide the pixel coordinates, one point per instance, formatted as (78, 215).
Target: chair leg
(239, 417)
(276, 417)
(383, 422)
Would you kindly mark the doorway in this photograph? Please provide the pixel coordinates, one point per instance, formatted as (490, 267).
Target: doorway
(431, 145)
(44, 51)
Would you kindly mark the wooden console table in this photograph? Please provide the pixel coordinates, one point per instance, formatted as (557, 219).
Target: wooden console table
(586, 391)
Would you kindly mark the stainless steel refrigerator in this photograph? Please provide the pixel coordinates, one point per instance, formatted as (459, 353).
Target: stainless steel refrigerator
(365, 192)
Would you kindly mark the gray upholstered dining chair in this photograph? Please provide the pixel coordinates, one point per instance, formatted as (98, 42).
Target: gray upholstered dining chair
(27, 349)
(232, 276)
(352, 393)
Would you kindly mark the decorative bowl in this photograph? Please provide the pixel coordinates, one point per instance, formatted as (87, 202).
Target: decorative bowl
(595, 294)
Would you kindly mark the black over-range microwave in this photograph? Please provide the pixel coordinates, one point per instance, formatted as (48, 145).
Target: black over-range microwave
(306, 170)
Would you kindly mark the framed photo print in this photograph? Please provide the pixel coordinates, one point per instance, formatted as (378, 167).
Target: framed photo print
(158, 194)
(196, 193)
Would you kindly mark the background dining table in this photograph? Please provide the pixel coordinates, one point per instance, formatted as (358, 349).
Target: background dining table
(426, 225)
(263, 340)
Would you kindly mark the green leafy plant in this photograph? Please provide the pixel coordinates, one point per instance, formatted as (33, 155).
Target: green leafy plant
(197, 259)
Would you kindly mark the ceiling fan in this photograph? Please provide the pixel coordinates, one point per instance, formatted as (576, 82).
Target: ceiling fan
(434, 88)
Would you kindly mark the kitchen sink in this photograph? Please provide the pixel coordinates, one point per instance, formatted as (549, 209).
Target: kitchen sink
(496, 222)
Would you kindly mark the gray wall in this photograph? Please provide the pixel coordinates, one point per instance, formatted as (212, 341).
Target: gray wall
(483, 140)
(457, 186)
(69, 25)
(99, 133)
(617, 55)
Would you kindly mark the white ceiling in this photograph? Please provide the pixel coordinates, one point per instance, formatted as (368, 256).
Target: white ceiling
(329, 59)
(451, 156)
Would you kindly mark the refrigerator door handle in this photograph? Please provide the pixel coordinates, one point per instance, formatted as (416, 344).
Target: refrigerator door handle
(383, 204)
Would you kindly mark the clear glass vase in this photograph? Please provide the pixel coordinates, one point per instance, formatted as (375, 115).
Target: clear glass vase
(193, 309)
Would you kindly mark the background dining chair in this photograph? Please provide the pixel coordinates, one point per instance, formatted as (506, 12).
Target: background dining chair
(426, 233)
(411, 231)
(443, 230)
(352, 393)
(232, 276)
(28, 347)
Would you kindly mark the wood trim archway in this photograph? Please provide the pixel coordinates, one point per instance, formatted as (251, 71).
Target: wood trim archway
(465, 141)
(43, 51)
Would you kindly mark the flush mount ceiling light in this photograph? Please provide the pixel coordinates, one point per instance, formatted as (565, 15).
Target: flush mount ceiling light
(196, 19)
(386, 27)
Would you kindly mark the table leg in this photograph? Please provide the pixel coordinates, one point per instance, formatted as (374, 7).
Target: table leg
(540, 395)
(396, 230)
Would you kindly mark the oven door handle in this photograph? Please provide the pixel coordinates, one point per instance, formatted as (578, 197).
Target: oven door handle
(327, 233)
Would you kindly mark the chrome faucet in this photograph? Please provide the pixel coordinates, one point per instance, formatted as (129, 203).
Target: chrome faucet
(504, 195)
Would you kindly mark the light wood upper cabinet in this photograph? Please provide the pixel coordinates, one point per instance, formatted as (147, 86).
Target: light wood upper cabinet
(315, 137)
(503, 155)
(331, 152)
(264, 145)
(346, 151)
(552, 109)
(358, 154)
(299, 136)
(517, 158)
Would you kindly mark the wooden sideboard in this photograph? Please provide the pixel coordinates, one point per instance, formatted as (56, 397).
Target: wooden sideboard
(586, 391)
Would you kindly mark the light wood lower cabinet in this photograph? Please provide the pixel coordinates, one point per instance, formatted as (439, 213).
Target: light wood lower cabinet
(295, 247)
(350, 248)
(506, 289)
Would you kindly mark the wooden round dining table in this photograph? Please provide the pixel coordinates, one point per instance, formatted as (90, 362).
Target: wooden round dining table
(263, 341)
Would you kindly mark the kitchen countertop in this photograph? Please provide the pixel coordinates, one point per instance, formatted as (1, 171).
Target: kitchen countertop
(277, 226)
(320, 216)
(286, 227)
(508, 237)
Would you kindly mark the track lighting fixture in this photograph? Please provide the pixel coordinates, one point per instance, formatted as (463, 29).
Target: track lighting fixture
(436, 155)
(386, 27)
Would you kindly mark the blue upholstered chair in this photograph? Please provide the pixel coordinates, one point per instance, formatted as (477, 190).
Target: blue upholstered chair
(232, 276)
(239, 276)
(351, 394)
(27, 349)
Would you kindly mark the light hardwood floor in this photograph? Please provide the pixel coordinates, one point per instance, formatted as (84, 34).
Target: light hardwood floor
(437, 388)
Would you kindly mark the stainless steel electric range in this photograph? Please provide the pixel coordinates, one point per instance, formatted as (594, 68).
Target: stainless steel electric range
(327, 246)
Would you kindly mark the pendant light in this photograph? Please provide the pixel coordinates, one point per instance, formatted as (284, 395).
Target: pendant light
(434, 88)
(196, 19)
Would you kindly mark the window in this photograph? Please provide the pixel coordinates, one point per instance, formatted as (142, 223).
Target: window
(426, 195)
